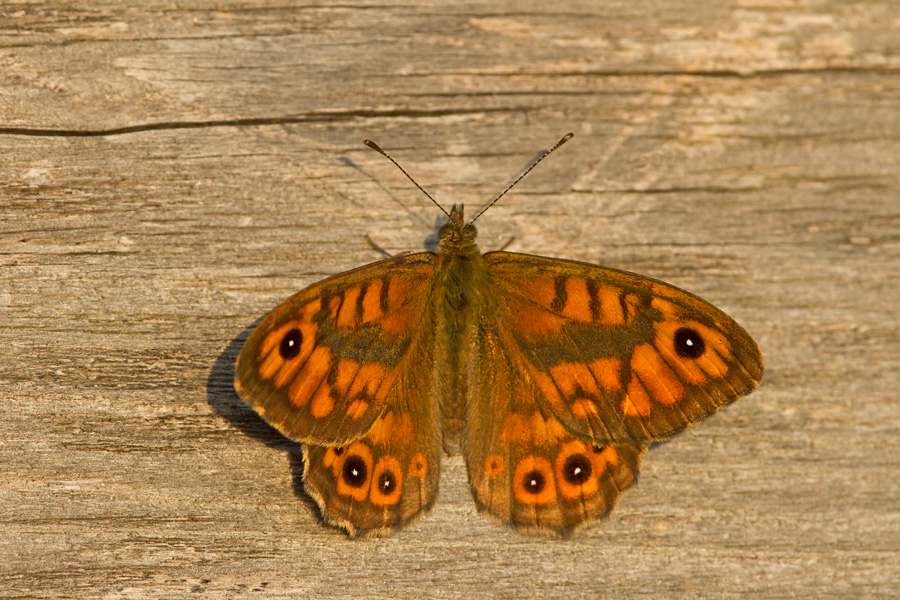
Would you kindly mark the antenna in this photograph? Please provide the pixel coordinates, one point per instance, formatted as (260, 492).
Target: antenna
(546, 153)
(378, 149)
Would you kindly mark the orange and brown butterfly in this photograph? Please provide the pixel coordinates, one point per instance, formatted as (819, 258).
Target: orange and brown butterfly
(550, 375)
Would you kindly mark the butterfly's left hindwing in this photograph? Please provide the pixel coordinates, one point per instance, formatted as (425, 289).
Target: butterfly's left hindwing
(322, 366)
(618, 357)
(389, 477)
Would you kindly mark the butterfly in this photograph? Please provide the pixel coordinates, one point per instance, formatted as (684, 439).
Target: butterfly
(551, 376)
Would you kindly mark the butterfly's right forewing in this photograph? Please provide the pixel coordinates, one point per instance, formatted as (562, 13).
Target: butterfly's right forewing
(619, 357)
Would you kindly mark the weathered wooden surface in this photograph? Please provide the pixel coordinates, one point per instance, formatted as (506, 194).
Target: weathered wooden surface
(170, 173)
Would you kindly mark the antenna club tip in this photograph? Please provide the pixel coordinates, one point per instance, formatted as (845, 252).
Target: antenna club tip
(564, 139)
(373, 145)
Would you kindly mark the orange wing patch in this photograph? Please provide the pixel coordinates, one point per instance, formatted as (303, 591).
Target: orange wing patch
(534, 321)
(659, 379)
(636, 402)
(371, 302)
(370, 384)
(493, 466)
(418, 465)
(346, 371)
(310, 376)
(606, 459)
(322, 403)
(348, 310)
(357, 408)
(400, 307)
(584, 408)
(391, 427)
(545, 382)
(606, 371)
(367, 379)
(574, 377)
(611, 311)
(521, 429)
(578, 300)
(540, 290)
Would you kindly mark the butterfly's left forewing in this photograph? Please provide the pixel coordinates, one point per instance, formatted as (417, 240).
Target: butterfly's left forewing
(320, 368)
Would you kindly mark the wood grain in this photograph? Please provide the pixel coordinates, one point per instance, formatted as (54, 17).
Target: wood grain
(169, 172)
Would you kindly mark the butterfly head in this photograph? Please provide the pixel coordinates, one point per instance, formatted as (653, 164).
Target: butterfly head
(457, 233)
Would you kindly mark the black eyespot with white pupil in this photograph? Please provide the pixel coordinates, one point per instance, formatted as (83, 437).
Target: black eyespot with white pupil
(689, 343)
(355, 472)
(387, 483)
(577, 469)
(534, 482)
(290, 344)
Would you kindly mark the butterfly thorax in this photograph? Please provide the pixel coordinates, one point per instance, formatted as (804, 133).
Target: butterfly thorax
(458, 275)
(458, 262)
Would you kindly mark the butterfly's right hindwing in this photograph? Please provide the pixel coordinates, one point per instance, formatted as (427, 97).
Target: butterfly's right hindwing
(525, 467)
